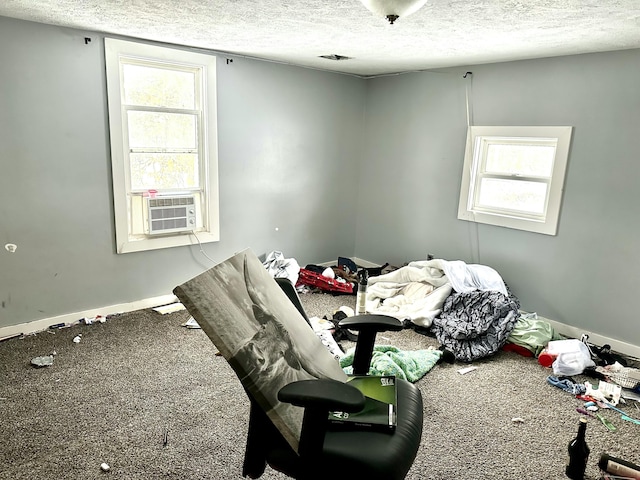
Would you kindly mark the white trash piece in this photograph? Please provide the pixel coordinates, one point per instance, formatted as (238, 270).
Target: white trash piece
(321, 324)
(191, 323)
(330, 343)
(97, 318)
(45, 361)
(606, 392)
(464, 371)
(171, 308)
(572, 357)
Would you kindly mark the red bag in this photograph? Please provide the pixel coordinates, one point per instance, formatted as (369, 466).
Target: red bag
(313, 279)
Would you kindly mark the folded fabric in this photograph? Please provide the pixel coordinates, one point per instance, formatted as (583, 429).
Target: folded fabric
(567, 385)
(532, 333)
(409, 365)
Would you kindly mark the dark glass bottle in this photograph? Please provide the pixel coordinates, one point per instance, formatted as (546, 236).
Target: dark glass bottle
(578, 453)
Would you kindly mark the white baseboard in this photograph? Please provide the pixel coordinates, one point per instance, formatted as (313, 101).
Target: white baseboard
(358, 261)
(364, 263)
(595, 338)
(70, 318)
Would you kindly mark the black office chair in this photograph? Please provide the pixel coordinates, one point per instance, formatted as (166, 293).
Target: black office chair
(322, 452)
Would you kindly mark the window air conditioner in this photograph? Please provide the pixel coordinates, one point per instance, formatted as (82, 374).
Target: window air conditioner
(171, 214)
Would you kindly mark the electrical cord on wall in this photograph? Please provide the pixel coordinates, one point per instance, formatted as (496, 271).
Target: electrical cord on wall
(468, 87)
(473, 226)
(201, 250)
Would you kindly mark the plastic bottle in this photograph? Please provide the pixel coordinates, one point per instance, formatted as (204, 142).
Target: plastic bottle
(546, 359)
(578, 453)
(361, 295)
(619, 467)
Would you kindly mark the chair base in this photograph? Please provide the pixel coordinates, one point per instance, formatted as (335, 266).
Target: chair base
(363, 453)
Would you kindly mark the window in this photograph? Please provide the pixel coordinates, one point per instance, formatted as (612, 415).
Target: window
(513, 177)
(162, 121)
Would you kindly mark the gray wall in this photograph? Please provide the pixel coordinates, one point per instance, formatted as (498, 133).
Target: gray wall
(410, 175)
(586, 276)
(340, 165)
(289, 140)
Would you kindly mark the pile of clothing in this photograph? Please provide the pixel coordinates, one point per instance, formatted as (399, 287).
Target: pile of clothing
(476, 324)
(467, 307)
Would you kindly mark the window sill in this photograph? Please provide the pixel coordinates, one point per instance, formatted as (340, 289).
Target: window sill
(179, 240)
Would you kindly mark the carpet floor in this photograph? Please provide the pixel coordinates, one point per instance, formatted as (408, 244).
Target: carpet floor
(151, 399)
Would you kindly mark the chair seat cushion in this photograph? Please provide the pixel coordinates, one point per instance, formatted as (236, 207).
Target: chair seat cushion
(366, 453)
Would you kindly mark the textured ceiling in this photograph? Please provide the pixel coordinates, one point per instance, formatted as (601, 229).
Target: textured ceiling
(443, 33)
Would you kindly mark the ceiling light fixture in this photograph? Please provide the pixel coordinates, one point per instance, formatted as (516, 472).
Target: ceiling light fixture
(393, 9)
(335, 56)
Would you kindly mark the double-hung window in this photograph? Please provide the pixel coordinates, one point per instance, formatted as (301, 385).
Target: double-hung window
(162, 122)
(513, 177)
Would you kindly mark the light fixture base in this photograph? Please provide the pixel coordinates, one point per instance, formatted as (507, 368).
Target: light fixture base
(393, 9)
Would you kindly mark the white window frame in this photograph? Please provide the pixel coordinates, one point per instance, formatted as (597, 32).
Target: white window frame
(474, 161)
(129, 204)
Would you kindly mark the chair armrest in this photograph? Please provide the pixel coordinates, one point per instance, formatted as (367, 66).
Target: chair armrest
(368, 325)
(377, 323)
(327, 395)
(319, 397)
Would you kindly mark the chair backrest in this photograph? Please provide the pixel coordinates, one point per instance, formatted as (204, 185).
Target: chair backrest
(260, 332)
(289, 289)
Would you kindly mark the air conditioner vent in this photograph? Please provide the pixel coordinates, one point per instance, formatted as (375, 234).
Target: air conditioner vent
(171, 214)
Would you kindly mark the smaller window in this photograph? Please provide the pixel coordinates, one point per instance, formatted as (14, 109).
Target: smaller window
(513, 177)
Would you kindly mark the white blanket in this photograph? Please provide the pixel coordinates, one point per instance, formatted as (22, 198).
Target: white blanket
(417, 291)
(466, 278)
(280, 267)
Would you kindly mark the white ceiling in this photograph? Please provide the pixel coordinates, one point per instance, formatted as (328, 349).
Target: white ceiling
(443, 33)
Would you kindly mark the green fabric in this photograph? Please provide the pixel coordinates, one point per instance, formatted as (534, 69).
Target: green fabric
(389, 360)
(532, 333)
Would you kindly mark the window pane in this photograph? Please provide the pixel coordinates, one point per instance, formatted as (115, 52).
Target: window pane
(158, 87)
(164, 171)
(527, 160)
(162, 130)
(513, 195)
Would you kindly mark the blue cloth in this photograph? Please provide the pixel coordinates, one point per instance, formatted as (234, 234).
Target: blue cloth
(567, 385)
